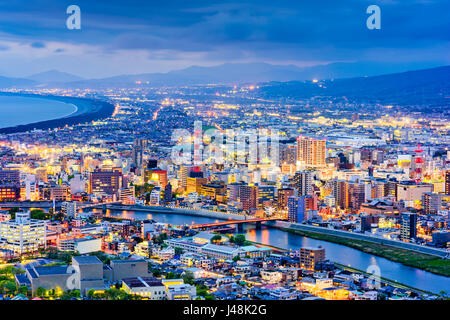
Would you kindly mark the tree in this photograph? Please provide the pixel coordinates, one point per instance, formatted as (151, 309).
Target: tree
(239, 239)
(90, 293)
(216, 238)
(236, 258)
(40, 292)
(188, 278)
(178, 251)
(23, 290)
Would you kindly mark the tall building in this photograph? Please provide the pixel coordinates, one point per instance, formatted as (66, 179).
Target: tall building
(283, 196)
(296, 209)
(168, 193)
(248, 197)
(108, 182)
(340, 193)
(356, 193)
(408, 229)
(23, 234)
(431, 202)
(447, 182)
(309, 257)
(311, 152)
(137, 156)
(303, 183)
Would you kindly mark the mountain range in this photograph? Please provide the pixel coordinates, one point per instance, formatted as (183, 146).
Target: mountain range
(228, 73)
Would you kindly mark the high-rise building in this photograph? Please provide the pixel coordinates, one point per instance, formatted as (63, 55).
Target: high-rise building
(168, 193)
(447, 182)
(309, 257)
(340, 193)
(248, 197)
(23, 234)
(137, 157)
(431, 202)
(303, 182)
(297, 207)
(356, 193)
(311, 152)
(107, 182)
(408, 229)
(283, 196)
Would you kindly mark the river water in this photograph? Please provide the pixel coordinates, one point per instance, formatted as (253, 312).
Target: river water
(338, 253)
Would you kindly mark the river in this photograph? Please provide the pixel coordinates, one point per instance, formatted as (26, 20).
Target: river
(338, 253)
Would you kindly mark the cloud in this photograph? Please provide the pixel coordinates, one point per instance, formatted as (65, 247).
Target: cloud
(201, 32)
(38, 45)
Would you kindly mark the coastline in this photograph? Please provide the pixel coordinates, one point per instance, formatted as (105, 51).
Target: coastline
(86, 110)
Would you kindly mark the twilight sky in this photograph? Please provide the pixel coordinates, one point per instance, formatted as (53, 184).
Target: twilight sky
(118, 37)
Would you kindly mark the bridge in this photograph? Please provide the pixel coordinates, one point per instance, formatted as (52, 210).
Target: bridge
(239, 223)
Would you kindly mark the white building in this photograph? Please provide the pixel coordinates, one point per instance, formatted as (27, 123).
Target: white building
(23, 234)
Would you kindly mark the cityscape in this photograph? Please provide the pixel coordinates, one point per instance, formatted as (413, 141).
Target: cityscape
(235, 180)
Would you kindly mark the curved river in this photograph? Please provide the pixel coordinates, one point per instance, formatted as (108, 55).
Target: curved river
(338, 253)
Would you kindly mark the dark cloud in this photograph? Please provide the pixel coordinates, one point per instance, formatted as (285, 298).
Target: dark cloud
(326, 30)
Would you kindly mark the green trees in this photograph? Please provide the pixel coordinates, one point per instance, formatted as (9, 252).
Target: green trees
(178, 251)
(239, 239)
(202, 291)
(188, 278)
(40, 292)
(39, 214)
(160, 238)
(216, 238)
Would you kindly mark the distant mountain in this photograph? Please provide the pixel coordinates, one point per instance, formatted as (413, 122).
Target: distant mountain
(6, 82)
(428, 88)
(54, 76)
(239, 73)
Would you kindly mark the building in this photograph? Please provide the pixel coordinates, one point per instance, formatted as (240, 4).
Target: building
(431, 202)
(283, 196)
(9, 177)
(447, 182)
(309, 257)
(23, 234)
(410, 191)
(340, 193)
(311, 152)
(303, 183)
(156, 176)
(296, 209)
(9, 192)
(129, 269)
(408, 229)
(106, 182)
(146, 287)
(194, 184)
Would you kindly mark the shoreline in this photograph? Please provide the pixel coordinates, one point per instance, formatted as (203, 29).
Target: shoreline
(86, 110)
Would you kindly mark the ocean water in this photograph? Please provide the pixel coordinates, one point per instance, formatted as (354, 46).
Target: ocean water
(17, 110)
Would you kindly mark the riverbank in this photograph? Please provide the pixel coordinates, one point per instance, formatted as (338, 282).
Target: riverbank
(343, 267)
(86, 110)
(407, 257)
